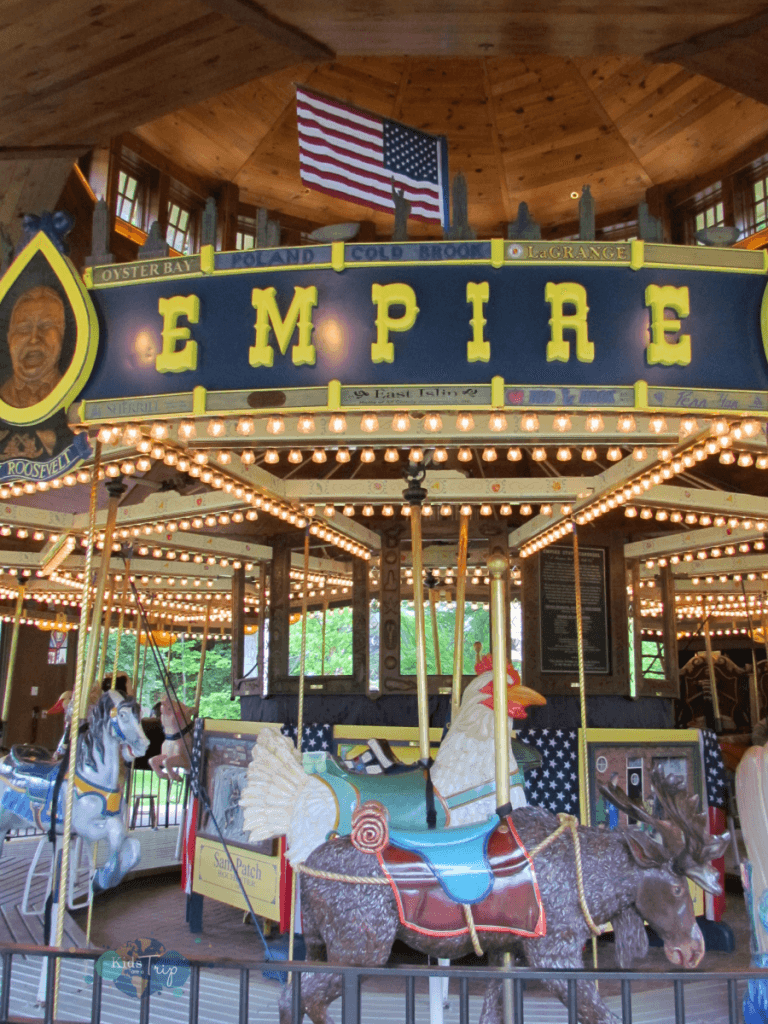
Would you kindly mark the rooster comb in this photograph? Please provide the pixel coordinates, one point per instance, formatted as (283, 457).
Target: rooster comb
(485, 664)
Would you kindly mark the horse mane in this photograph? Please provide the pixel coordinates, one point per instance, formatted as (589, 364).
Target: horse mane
(92, 749)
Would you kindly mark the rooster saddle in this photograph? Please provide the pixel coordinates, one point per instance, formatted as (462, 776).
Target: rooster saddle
(435, 874)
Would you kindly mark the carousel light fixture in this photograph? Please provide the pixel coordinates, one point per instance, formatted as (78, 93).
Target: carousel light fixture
(247, 456)
(613, 454)
(529, 422)
(295, 457)
(464, 455)
(401, 421)
(626, 423)
(563, 454)
(367, 455)
(497, 421)
(594, 422)
(514, 455)
(433, 422)
(275, 425)
(465, 421)
(391, 455)
(271, 456)
(187, 430)
(440, 455)
(588, 454)
(216, 427)
(337, 423)
(318, 455)
(489, 455)
(539, 454)
(562, 422)
(245, 426)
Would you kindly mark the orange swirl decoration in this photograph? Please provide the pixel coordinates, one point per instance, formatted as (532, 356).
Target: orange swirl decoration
(369, 827)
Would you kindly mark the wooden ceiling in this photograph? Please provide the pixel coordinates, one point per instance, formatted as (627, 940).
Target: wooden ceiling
(535, 99)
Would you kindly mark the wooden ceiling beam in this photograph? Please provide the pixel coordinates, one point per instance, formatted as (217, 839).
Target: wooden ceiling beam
(713, 39)
(250, 15)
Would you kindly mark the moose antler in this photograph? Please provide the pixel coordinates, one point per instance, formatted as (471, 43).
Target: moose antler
(672, 837)
(701, 848)
(685, 835)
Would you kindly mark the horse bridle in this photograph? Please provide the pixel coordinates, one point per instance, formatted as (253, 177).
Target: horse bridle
(113, 713)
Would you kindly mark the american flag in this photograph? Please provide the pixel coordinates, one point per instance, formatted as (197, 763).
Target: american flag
(554, 786)
(358, 156)
(316, 736)
(714, 770)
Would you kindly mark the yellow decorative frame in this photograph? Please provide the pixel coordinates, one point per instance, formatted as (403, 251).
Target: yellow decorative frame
(86, 335)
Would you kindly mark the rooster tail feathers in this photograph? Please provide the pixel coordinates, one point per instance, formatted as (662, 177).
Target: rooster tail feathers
(274, 783)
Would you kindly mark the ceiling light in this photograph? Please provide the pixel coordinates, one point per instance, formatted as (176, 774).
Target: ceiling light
(465, 421)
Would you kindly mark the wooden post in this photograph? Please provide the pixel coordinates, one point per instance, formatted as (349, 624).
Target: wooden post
(238, 632)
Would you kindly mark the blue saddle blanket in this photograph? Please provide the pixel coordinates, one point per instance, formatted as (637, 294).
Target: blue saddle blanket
(457, 856)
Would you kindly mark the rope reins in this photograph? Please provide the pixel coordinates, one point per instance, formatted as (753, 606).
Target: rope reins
(568, 823)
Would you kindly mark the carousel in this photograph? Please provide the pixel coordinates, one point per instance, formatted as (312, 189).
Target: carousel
(477, 528)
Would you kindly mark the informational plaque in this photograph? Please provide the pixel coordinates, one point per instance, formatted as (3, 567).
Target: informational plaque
(557, 592)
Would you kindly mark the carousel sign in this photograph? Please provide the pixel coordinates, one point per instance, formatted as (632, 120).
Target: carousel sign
(548, 319)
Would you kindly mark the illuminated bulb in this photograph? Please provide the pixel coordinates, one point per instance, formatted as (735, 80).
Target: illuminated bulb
(466, 510)
(630, 511)
(497, 421)
(657, 423)
(594, 422)
(271, 456)
(405, 510)
(545, 510)
(426, 510)
(646, 513)
(247, 457)
(529, 422)
(445, 510)
(224, 457)
(489, 455)
(640, 453)
(750, 428)
(295, 456)
(401, 421)
(505, 510)
(391, 455)
(588, 454)
(440, 455)
(349, 510)
(514, 455)
(563, 454)
(662, 515)
(486, 509)
(626, 423)
(387, 510)
(367, 510)
(433, 422)
(745, 459)
(688, 425)
(727, 457)
(562, 422)
(525, 510)
(539, 454)
(465, 421)
(329, 511)
(158, 431)
(416, 455)
(216, 428)
(762, 462)
(719, 427)
(318, 455)
(613, 454)
(367, 455)
(464, 455)
(275, 425)
(337, 424)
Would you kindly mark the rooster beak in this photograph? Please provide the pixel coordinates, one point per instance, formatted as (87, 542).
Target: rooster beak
(59, 707)
(518, 698)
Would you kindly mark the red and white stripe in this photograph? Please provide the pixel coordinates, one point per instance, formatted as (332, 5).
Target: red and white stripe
(341, 152)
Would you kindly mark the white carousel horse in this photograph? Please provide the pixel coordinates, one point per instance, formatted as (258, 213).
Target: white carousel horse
(27, 785)
(177, 721)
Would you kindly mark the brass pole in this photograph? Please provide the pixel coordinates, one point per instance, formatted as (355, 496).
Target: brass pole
(435, 636)
(78, 703)
(136, 655)
(497, 566)
(115, 488)
(12, 659)
(458, 629)
(105, 634)
(300, 715)
(583, 746)
(120, 622)
(712, 681)
(201, 670)
(421, 645)
(754, 697)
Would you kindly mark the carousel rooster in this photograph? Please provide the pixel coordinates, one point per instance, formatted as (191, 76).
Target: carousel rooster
(281, 799)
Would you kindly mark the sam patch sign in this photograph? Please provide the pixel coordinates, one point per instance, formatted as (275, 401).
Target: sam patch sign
(48, 340)
(555, 316)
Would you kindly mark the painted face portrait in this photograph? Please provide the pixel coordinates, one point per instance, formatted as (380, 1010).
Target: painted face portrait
(35, 337)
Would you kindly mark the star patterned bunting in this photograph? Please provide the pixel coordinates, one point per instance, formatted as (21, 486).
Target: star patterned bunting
(316, 736)
(714, 770)
(555, 785)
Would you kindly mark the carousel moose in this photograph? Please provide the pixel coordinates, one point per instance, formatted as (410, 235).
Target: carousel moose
(491, 885)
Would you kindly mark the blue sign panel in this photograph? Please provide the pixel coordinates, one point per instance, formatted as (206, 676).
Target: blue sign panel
(275, 319)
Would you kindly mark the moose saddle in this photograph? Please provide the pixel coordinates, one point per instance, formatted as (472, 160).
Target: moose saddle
(435, 875)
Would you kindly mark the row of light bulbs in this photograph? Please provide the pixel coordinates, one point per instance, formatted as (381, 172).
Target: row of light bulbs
(432, 422)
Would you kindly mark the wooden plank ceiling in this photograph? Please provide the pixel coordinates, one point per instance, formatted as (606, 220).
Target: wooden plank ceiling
(535, 99)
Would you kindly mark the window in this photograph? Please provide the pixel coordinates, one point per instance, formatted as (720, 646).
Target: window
(129, 196)
(751, 187)
(703, 210)
(623, 232)
(246, 233)
(180, 231)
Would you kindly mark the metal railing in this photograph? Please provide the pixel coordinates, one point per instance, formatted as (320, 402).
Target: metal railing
(731, 984)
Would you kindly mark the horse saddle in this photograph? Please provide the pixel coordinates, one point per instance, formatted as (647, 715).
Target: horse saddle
(435, 875)
(30, 759)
